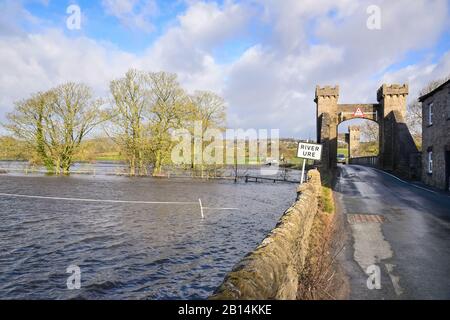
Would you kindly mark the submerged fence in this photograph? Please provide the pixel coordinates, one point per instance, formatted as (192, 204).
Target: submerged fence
(242, 172)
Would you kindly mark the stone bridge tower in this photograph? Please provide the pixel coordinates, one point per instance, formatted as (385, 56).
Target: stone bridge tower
(396, 143)
(353, 141)
(327, 123)
(392, 106)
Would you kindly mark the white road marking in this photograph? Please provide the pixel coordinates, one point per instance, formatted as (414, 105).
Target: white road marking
(201, 208)
(209, 208)
(405, 182)
(91, 200)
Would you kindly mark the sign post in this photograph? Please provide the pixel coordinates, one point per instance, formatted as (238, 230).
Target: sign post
(303, 172)
(311, 151)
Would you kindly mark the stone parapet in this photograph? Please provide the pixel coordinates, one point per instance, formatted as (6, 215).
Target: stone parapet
(271, 270)
(393, 89)
(327, 91)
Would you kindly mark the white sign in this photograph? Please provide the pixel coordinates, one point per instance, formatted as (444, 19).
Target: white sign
(309, 151)
(359, 113)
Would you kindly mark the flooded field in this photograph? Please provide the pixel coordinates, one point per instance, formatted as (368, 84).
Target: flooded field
(129, 250)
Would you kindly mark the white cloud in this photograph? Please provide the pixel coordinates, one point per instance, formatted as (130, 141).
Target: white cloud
(207, 24)
(326, 42)
(271, 84)
(37, 62)
(34, 62)
(419, 75)
(133, 14)
(186, 48)
(14, 17)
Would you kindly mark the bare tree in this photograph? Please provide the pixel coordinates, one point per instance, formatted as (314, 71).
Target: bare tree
(414, 121)
(147, 107)
(55, 123)
(169, 109)
(210, 110)
(129, 117)
(74, 114)
(433, 85)
(27, 123)
(370, 136)
(369, 131)
(414, 111)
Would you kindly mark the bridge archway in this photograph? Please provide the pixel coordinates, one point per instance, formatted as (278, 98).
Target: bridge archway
(395, 141)
(358, 138)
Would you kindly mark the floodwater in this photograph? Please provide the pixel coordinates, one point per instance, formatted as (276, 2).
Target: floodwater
(129, 250)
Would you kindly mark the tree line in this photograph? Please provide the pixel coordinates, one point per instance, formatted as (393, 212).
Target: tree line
(139, 115)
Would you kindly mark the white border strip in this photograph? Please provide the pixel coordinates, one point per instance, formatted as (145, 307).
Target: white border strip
(408, 183)
(90, 200)
(12, 195)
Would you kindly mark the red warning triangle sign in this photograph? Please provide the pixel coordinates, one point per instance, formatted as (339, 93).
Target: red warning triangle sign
(359, 113)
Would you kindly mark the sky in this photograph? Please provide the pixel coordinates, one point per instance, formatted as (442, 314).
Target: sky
(264, 57)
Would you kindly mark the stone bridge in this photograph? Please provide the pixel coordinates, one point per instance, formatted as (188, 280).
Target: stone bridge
(397, 148)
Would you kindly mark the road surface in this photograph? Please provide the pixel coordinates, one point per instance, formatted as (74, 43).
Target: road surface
(400, 228)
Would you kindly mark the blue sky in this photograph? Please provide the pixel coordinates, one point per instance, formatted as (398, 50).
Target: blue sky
(100, 25)
(265, 57)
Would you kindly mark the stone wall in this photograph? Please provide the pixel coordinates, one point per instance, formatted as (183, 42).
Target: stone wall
(271, 270)
(405, 150)
(436, 138)
(354, 138)
(371, 161)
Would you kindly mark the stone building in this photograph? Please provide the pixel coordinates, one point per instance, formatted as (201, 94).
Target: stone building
(354, 138)
(436, 137)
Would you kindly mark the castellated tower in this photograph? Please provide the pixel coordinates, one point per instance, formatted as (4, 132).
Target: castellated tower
(327, 108)
(354, 140)
(392, 100)
(396, 143)
(327, 99)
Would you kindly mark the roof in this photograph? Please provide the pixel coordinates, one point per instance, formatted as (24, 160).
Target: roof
(429, 94)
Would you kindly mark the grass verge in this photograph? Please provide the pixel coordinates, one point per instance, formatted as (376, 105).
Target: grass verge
(321, 277)
(326, 203)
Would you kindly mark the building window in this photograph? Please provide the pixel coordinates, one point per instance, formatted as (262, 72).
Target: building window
(448, 105)
(430, 114)
(430, 162)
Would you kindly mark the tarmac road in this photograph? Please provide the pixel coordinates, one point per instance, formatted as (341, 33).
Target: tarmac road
(401, 228)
